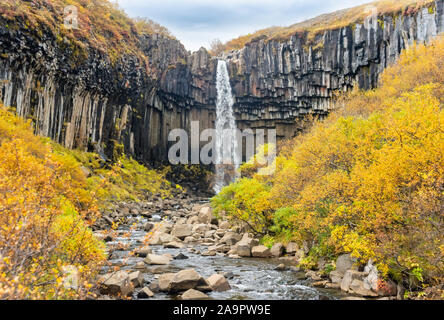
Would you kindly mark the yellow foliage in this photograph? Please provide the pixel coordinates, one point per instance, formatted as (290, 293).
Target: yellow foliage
(368, 179)
(47, 203)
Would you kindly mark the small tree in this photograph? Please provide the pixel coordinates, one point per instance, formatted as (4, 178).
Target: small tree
(216, 47)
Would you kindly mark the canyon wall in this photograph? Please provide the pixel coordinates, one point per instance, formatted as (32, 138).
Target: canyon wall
(95, 104)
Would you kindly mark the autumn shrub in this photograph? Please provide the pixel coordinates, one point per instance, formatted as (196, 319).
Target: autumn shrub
(49, 198)
(44, 219)
(368, 180)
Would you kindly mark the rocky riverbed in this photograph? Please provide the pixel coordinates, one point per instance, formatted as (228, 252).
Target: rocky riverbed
(177, 249)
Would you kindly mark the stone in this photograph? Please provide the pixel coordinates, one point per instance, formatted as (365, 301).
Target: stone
(200, 228)
(164, 227)
(313, 275)
(145, 293)
(192, 294)
(358, 287)
(148, 226)
(224, 225)
(206, 215)
(167, 238)
(174, 245)
(182, 231)
(291, 248)
(345, 262)
(277, 250)
(116, 283)
(230, 238)
(186, 279)
(209, 253)
(218, 283)
(180, 256)
(320, 284)
(136, 278)
(154, 259)
(154, 287)
(281, 267)
(335, 277)
(261, 252)
(348, 278)
(165, 280)
(143, 251)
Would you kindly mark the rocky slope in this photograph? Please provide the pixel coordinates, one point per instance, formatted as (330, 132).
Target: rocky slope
(93, 103)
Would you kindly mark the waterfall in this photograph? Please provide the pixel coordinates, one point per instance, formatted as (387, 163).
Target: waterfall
(227, 157)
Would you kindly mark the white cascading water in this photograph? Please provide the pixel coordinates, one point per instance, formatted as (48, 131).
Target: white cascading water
(226, 144)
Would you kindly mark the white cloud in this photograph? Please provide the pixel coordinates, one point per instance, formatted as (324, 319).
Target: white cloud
(197, 22)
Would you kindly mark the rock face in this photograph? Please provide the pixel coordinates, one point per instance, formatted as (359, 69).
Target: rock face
(96, 104)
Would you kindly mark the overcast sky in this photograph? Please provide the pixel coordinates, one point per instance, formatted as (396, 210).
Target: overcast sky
(196, 22)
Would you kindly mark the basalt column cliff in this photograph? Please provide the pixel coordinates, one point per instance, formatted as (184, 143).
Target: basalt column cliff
(94, 102)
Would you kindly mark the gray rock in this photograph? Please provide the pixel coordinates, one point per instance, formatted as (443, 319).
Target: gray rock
(182, 231)
(218, 283)
(154, 259)
(344, 263)
(260, 252)
(186, 279)
(116, 283)
(136, 278)
(192, 294)
(277, 250)
(145, 293)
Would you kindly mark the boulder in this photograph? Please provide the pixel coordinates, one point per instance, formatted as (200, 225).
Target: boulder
(164, 227)
(260, 252)
(218, 282)
(167, 238)
(291, 248)
(348, 278)
(243, 247)
(136, 278)
(281, 267)
(174, 245)
(186, 279)
(313, 275)
(116, 283)
(143, 251)
(358, 287)
(335, 277)
(345, 262)
(145, 293)
(224, 225)
(201, 228)
(277, 250)
(165, 280)
(180, 256)
(376, 284)
(148, 226)
(182, 231)
(206, 215)
(230, 238)
(192, 294)
(154, 259)
(193, 220)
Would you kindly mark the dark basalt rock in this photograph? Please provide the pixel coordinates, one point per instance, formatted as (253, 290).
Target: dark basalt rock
(91, 103)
